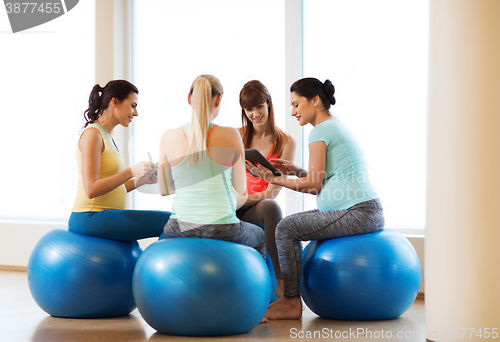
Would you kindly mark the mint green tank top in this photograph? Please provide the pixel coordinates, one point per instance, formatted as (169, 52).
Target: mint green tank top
(346, 180)
(203, 191)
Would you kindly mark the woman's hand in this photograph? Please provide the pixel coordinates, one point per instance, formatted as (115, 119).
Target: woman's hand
(143, 170)
(287, 167)
(260, 170)
(153, 179)
(136, 182)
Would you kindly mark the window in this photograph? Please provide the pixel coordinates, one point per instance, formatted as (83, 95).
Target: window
(375, 53)
(47, 73)
(174, 42)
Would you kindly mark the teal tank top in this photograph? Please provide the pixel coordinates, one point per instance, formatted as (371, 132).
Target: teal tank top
(203, 191)
(346, 181)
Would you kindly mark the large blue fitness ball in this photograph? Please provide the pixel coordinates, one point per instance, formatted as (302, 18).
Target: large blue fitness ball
(274, 282)
(201, 287)
(363, 277)
(269, 263)
(78, 276)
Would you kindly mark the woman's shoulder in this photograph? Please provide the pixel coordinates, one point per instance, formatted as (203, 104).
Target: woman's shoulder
(226, 135)
(329, 125)
(288, 145)
(173, 131)
(91, 132)
(332, 130)
(286, 137)
(91, 137)
(172, 134)
(227, 130)
(91, 127)
(335, 126)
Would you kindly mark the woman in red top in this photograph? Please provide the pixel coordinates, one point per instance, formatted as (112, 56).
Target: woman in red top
(260, 132)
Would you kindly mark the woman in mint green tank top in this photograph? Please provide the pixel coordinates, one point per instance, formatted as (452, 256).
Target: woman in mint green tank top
(347, 202)
(203, 165)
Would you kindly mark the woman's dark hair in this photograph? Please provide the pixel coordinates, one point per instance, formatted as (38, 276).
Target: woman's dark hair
(253, 94)
(309, 87)
(100, 97)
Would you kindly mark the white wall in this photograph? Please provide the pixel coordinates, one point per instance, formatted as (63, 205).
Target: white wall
(19, 239)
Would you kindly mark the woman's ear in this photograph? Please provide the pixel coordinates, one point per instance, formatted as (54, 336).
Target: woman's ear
(316, 100)
(114, 102)
(189, 98)
(217, 101)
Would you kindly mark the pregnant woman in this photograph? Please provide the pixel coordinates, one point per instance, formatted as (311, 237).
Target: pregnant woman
(99, 207)
(347, 202)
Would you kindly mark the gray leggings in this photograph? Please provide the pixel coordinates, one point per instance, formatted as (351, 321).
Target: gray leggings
(243, 232)
(266, 214)
(362, 218)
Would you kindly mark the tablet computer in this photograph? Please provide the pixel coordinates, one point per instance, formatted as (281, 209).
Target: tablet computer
(254, 156)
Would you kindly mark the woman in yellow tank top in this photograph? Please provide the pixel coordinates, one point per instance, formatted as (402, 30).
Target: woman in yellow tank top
(103, 179)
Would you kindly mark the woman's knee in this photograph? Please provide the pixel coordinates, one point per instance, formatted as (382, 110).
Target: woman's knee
(270, 206)
(284, 229)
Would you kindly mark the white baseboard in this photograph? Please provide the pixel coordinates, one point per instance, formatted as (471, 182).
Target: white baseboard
(18, 240)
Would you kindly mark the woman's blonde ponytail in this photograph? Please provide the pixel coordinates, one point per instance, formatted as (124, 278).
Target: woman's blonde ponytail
(203, 91)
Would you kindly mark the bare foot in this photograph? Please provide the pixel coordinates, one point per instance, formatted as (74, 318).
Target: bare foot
(278, 293)
(285, 309)
(273, 304)
(276, 302)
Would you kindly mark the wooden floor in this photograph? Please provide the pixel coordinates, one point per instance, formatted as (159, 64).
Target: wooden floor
(22, 320)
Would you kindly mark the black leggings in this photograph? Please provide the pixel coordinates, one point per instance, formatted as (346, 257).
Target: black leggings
(265, 214)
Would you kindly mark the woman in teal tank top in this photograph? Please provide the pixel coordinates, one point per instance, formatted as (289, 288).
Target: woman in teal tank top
(347, 202)
(203, 165)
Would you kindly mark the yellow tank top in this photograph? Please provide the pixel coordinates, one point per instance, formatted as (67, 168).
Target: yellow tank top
(111, 163)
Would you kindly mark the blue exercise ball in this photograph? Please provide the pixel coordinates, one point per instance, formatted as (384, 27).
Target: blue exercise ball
(274, 282)
(78, 276)
(201, 287)
(363, 277)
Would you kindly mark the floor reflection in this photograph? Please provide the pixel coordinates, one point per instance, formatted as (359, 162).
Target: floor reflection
(125, 328)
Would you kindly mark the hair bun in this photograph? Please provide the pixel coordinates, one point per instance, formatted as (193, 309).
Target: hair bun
(329, 90)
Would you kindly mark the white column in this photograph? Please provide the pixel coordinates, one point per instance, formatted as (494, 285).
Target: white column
(113, 51)
(463, 176)
(104, 34)
(293, 72)
(113, 40)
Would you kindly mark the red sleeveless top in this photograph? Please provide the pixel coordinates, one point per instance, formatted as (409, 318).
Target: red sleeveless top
(258, 184)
